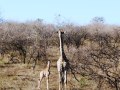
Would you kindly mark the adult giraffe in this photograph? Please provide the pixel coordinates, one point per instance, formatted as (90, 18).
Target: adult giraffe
(62, 63)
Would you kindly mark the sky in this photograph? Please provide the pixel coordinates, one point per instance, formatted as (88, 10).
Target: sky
(53, 11)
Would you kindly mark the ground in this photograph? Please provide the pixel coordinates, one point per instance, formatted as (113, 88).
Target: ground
(22, 77)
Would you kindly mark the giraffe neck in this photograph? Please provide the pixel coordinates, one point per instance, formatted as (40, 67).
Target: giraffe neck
(48, 65)
(61, 44)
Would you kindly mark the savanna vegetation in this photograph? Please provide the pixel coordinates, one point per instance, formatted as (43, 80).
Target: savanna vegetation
(93, 51)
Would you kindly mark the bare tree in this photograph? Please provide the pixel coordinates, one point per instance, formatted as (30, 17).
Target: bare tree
(101, 60)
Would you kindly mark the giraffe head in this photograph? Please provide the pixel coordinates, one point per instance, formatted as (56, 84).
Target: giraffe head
(49, 61)
(61, 32)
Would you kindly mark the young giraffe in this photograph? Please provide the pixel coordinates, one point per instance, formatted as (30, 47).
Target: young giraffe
(44, 73)
(62, 63)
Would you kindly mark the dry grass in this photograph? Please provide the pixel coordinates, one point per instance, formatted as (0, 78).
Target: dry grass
(22, 76)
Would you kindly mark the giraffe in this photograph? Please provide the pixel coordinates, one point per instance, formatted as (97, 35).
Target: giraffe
(62, 63)
(44, 73)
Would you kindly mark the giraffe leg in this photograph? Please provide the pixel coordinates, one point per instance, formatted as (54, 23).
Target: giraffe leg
(60, 80)
(65, 79)
(39, 81)
(47, 83)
